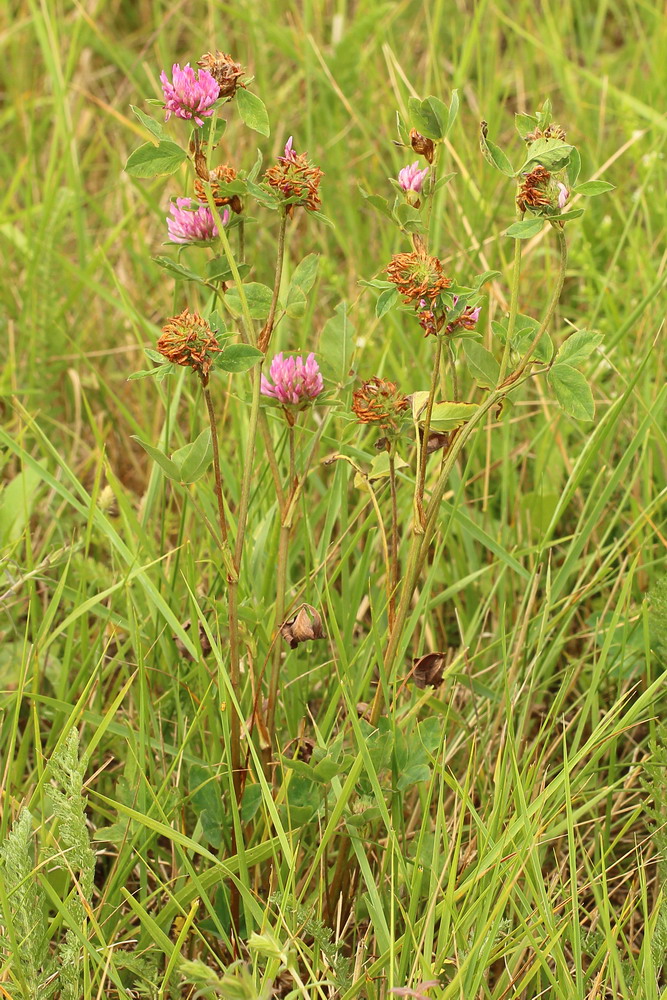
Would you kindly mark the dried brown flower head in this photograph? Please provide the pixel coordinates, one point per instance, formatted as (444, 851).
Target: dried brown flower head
(223, 174)
(553, 131)
(306, 624)
(225, 70)
(203, 640)
(429, 669)
(417, 276)
(533, 192)
(296, 179)
(380, 402)
(425, 147)
(188, 340)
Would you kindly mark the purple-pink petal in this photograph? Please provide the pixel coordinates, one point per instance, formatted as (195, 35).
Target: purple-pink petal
(189, 224)
(295, 381)
(563, 195)
(189, 94)
(411, 178)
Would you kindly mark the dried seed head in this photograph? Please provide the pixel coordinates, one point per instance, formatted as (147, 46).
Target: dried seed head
(553, 131)
(429, 669)
(425, 147)
(295, 179)
(218, 177)
(305, 625)
(224, 70)
(380, 402)
(417, 276)
(534, 190)
(188, 340)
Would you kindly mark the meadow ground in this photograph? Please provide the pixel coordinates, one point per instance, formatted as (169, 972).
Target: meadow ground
(497, 836)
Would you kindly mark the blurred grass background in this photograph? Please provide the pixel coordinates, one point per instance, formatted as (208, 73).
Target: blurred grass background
(535, 823)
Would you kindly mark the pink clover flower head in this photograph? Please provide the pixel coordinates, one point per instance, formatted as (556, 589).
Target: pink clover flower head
(187, 226)
(563, 195)
(295, 382)
(290, 155)
(190, 94)
(411, 178)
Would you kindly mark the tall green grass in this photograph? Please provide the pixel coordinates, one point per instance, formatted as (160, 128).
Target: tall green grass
(498, 835)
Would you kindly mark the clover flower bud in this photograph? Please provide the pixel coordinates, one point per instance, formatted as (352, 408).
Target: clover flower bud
(425, 147)
(192, 225)
(190, 95)
(411, 178)
(563, 195)
(306, 624)
(295, 382)
(429, 669)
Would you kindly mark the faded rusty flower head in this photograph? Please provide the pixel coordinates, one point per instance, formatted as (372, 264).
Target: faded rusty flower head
(553, 131)
(541, 192)
(304, 626)
(218, 177)
(192, 223)
(295, 179)
(417, 275)
(189, 94)
(429, 669)
(380, 402)
(188, 340)
(422, 145)
(224, 70)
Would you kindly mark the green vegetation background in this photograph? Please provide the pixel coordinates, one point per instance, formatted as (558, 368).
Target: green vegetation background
(531, 835)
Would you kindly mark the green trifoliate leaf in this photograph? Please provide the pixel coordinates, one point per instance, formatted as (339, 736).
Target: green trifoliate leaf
(169, 468)
(453, 111)
(525, 229)
(258, 297)
(237, 358)
(493, 154)
(554, 154)
(573, 167)
(155, 128)
(180, 270)
(158, 373)
(423, 117)
(386, 300)
(155, 161)
(194, 459)
(377, 201)
(252, 111)
(578, 347)
(481, 363)
(305, 272)
(525, 124)
(445, 416)
(572, 391)
(592, 188)
(296, 303)
(337, 343)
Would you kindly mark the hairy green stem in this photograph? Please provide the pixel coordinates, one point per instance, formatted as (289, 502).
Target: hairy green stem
(265, 335)
(423, 451)
(514, 305)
